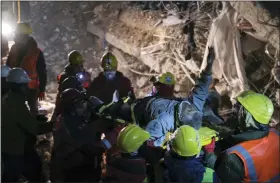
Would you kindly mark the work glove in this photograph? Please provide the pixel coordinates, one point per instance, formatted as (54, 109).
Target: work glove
(210, 147)
(210, 60)
(41, 96)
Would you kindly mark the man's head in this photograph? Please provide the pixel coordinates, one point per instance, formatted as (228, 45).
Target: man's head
(253, 110)
(18, 80)
(131, 138)
(76, 60)
(186, 142)
(71, 82)
(164, 85)
(109, 64)
(22, 32)
(71, 98)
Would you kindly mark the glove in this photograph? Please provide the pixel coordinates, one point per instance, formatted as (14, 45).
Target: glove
(41, 96)
(210, 60)
(210, 147)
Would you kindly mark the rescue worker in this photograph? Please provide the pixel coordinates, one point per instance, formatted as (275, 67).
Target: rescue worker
(17, 126)
(70, 82)
(75, 68)
(163, 85)
(159, 115)
(110, 80)
(181, 163)
(26, 55)
(4, 73)
(130, 166)
(253, 144)
(75, 154)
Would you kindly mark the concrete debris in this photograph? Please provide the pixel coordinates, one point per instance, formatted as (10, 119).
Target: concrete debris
(64, 39)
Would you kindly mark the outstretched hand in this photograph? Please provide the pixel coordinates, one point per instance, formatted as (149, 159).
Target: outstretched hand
(211, 55)
(210, 60)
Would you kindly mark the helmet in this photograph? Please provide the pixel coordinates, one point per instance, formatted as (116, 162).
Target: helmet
(109, 62)
(18, 75)
(259, 105)
(70, 82)
(75, 57)
(131, 138)
(189, 115)
(166, 78)
(23, 28)
(71, 96)
(5, 71)
(186, 141)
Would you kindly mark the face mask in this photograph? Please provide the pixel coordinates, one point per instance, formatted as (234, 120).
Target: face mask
(110, 75)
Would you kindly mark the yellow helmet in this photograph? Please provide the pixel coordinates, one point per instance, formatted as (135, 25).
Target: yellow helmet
(186, 141)
(23, 28)
(166, 78)
(259, 105)
(131, 138)
(75, 57)
(109, 62)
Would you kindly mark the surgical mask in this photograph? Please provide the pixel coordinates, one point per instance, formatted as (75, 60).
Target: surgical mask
(110, 75)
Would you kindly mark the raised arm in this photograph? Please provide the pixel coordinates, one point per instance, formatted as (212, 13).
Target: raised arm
(199, 93)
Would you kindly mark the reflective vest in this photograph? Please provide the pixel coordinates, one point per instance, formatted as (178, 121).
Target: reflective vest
(28, 63)
(260, 158)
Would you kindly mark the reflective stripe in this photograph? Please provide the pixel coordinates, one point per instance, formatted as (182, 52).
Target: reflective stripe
(274, 179)
(132, 113)
(106, 143)
(249, 161)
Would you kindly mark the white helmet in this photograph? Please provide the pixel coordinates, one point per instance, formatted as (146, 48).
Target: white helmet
(18, 75)
(5, 71)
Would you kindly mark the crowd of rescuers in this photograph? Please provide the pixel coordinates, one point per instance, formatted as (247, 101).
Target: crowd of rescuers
(158, 138)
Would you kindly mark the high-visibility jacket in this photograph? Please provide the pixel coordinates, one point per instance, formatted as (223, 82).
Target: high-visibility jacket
(260, 158)
(28, 63)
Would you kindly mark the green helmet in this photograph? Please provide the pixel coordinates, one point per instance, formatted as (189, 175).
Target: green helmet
(186, 141)
(75, 57)
(259, 105)
(109, 62)
(131, 138)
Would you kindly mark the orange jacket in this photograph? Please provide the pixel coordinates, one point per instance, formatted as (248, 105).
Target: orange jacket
(28, 64)
(260, 158)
